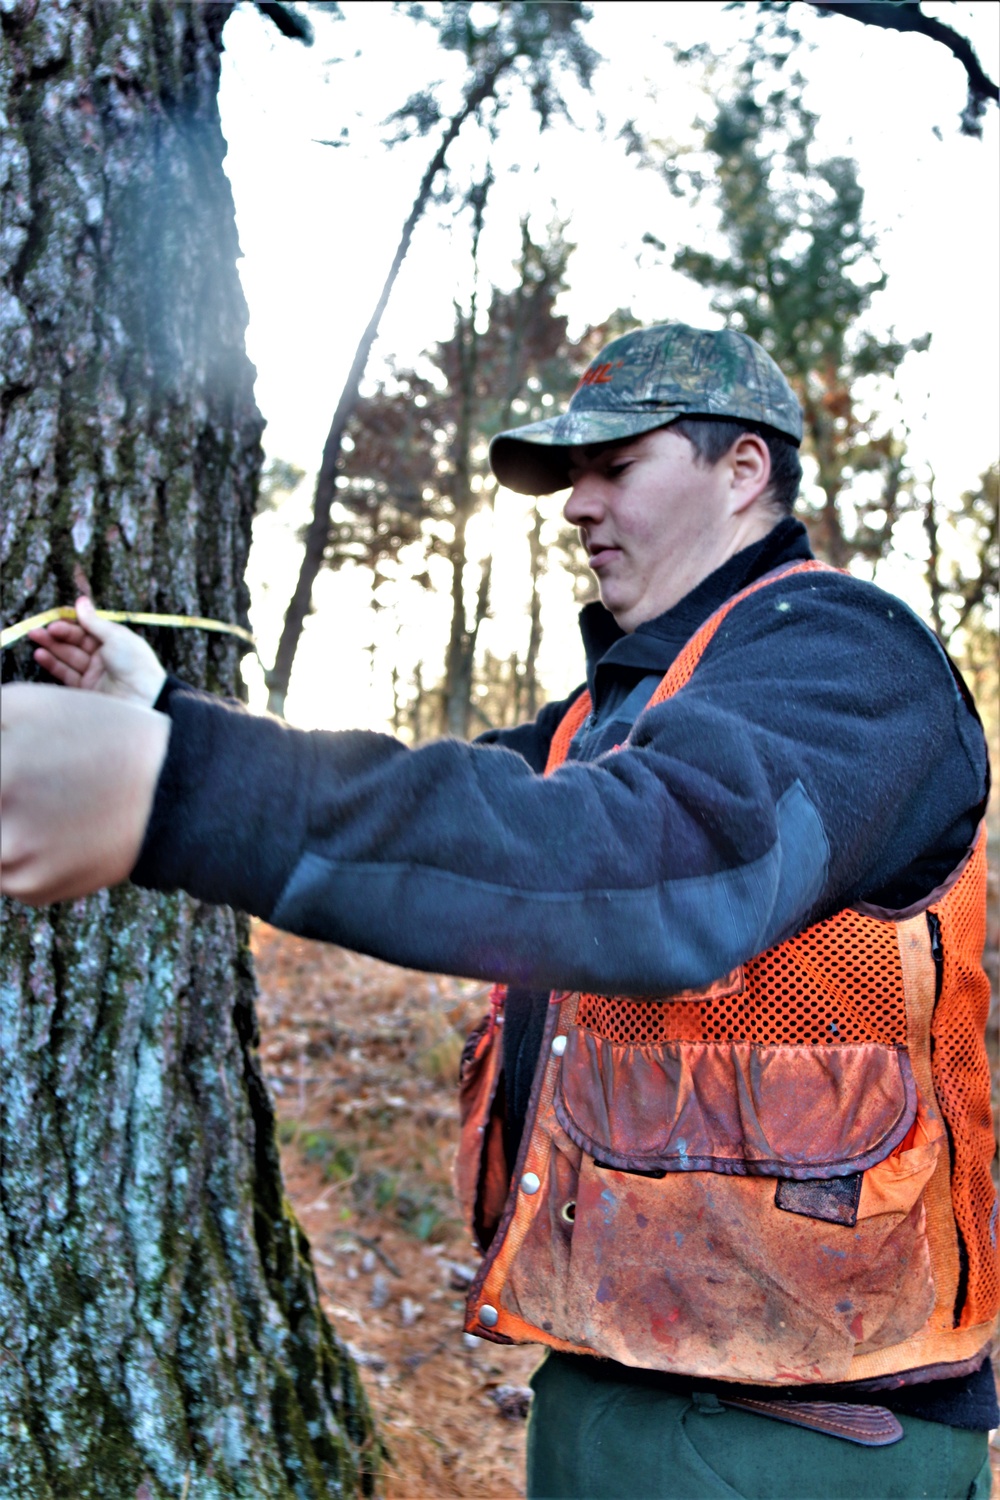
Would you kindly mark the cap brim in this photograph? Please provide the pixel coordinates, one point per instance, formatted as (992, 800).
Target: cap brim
(534, 460)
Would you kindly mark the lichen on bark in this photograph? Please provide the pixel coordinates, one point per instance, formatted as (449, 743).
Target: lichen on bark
(160, 1329)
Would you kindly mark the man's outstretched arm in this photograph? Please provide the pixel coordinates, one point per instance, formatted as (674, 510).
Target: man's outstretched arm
(78, 772)
(720, 826)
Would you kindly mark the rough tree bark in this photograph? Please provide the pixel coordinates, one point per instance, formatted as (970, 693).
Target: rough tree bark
(160, 1332)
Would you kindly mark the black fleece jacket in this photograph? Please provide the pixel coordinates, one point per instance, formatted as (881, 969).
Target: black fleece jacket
(823, 753)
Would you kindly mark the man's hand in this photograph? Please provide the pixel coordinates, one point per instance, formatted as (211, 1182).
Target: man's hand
(99, 655)
(78, 772)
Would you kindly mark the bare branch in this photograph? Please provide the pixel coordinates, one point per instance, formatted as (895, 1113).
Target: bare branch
(909, 17)
(287, 20)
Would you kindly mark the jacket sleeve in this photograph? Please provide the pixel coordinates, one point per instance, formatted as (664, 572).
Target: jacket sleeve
(531, 740)
(821, 753)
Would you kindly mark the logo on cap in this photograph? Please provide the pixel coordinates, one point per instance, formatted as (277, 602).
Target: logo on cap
(600, 374)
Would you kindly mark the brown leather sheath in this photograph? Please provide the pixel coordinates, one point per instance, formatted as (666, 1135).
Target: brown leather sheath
(871, 1426)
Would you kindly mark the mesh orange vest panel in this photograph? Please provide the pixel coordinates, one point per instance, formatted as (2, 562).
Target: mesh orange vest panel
(848, 981)
(841, 980)
(961, 1073)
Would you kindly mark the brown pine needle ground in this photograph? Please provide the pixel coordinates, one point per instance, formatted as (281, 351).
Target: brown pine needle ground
(362, 1059)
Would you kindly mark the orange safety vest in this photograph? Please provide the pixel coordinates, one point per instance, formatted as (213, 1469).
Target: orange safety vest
(781, 1179)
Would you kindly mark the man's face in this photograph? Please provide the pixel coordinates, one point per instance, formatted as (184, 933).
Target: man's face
(654, 519)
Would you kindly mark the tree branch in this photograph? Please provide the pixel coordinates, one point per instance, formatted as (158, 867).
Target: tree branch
(483, 88)
(287, 20)
(909, 17)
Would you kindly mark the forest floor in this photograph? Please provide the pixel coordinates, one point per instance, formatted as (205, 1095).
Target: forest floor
(362, 1059)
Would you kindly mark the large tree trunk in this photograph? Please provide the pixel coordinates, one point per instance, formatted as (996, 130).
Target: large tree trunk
(160, 1327)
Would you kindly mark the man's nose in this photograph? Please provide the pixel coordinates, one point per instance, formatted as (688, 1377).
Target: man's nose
(585, 504)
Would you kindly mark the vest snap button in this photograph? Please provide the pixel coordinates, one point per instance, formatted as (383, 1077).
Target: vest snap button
(530, 1183)
(488, 1316)
(559, 1044)
(568, 1211)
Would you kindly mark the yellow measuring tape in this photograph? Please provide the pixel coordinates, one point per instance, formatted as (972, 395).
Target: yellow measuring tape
(122, 617)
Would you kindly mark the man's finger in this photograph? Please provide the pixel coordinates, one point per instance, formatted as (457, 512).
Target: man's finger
(88, 617)
(63, 651)
(64, 630)
(57, 668)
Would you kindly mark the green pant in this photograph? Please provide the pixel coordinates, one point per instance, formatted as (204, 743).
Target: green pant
(594, 1436)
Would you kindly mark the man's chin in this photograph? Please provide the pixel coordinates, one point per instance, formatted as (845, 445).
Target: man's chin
(623, 616)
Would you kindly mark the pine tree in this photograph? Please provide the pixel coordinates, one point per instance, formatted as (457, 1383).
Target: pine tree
(799, 275)
(418, 468)
(159, 1317)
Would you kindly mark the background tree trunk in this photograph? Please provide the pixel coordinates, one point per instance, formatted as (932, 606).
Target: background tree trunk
(537, 554)
(278, 678)
(159, 1320)
(461, 655)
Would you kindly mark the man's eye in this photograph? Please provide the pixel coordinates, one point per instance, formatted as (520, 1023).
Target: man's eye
(613, 470)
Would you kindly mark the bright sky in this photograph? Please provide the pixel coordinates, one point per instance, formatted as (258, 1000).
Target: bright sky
(318, 226)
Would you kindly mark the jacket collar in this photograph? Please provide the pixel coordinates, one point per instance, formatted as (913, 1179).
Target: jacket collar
(652, 646)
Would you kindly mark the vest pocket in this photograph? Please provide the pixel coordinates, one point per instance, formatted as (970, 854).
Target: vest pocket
(895, 1184)
(892, 1186)
(481, 1176)
(807, 1111)
(676, 1255)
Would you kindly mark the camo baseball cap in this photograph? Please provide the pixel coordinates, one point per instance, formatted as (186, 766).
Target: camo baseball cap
(647, 379)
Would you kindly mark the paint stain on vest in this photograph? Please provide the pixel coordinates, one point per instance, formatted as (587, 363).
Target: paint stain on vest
(660, 1331)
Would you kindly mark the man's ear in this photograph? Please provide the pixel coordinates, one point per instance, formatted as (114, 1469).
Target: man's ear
(750, 466)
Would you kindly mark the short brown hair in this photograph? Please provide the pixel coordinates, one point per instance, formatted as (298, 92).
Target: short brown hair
(712, 437)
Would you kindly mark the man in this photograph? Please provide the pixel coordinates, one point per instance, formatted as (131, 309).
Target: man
(734, 1169)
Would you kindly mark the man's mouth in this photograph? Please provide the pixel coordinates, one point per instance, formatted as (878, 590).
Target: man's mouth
(599, 554)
